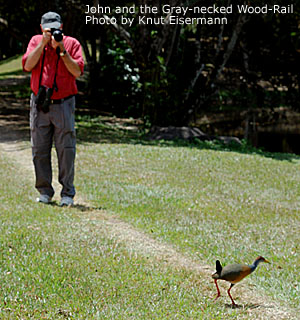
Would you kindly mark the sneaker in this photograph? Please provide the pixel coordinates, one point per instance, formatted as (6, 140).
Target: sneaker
(44, 198)
(66, 201)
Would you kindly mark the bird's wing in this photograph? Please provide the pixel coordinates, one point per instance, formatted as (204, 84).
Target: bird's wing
(234, 273)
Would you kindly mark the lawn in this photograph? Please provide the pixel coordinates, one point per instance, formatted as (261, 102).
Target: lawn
(11, 67)
(206, 201)
(57, 265)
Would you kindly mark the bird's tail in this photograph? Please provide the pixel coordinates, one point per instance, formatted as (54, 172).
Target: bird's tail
(218, 270)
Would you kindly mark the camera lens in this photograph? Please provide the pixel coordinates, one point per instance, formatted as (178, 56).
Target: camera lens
(58, 35)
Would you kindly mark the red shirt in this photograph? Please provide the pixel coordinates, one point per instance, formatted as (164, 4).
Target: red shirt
(65, 81)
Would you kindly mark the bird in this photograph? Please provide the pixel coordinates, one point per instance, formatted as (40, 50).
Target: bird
(234, 273)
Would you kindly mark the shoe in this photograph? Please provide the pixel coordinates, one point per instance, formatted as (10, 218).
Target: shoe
(44, 198)
(66, 201)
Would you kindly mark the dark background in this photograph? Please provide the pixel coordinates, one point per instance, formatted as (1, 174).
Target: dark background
(237, 79)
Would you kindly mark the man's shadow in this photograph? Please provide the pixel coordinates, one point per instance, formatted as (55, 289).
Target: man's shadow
(78, 207)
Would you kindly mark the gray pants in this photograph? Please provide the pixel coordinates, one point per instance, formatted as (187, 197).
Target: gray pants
(58, 125)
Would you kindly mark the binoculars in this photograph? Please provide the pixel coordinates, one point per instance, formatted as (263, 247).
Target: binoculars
(43, 99)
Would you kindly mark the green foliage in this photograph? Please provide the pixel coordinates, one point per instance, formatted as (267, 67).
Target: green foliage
(121, 81)
(169, 74)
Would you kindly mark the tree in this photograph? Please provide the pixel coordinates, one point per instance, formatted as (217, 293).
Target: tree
(169, 73)
(157, 49)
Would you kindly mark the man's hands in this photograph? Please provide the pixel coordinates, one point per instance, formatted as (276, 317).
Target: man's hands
(47, 37)
(35, 55)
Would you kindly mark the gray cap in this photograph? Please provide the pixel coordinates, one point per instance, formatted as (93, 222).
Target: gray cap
(51, 20)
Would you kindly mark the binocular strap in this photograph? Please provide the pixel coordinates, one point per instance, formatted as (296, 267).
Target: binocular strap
(42, 69)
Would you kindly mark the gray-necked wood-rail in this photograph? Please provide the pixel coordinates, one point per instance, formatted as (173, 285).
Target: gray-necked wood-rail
(234, 273)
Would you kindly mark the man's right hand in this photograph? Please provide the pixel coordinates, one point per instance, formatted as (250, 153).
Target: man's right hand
(46, 36)
(34, 56)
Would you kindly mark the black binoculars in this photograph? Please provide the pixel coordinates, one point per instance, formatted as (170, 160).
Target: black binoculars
(43, 99)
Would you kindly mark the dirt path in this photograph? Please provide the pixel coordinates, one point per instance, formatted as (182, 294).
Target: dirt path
(18, 150)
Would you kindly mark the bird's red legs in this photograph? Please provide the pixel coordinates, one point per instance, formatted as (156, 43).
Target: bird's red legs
(233, 303)
(219, 294)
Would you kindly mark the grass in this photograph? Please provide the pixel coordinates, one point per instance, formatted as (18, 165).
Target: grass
(19, 91)
(209, 203)
(230, 205)
(11, 67)
(57, 265)
(208, 200)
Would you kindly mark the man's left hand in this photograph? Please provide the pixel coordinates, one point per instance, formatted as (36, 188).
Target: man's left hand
(56, 44)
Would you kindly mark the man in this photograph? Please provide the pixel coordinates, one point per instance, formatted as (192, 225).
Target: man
(54, 66)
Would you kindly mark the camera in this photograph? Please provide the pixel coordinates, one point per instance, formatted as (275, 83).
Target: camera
(43, 99)
(57, 34)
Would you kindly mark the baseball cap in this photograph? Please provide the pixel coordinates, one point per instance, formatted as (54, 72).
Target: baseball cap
(51, 20)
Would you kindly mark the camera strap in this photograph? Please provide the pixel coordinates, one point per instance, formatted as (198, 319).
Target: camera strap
(54, 83)
(42, 68)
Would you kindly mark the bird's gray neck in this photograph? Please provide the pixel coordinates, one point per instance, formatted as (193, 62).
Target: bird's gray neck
(254, 265)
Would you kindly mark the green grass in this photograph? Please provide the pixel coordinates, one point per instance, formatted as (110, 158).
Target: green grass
(21, 91)
(11, 67)
(55, 264)
(230, 205)
(208, 200)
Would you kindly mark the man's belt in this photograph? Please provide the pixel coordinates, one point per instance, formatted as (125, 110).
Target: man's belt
(58, 101)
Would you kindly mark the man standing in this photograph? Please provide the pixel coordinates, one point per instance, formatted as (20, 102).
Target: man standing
(55, 61)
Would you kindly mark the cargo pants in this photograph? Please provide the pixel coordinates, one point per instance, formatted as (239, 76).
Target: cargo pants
(57, 125)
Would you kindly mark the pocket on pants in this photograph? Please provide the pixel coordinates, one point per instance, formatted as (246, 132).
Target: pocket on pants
(33, 113)
(69, 115)
(69, 123)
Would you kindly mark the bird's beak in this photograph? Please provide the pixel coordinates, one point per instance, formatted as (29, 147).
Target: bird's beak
(266, 261)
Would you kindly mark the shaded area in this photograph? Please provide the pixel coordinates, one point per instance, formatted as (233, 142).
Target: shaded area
(275, 129)
(14, 110)
(171, 73)
(95, 127)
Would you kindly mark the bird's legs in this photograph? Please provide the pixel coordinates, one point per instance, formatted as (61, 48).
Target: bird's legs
(233, 303)
(219, 294)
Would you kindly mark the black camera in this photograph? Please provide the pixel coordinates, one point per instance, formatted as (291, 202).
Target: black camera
(57, 34)
(43, 99)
